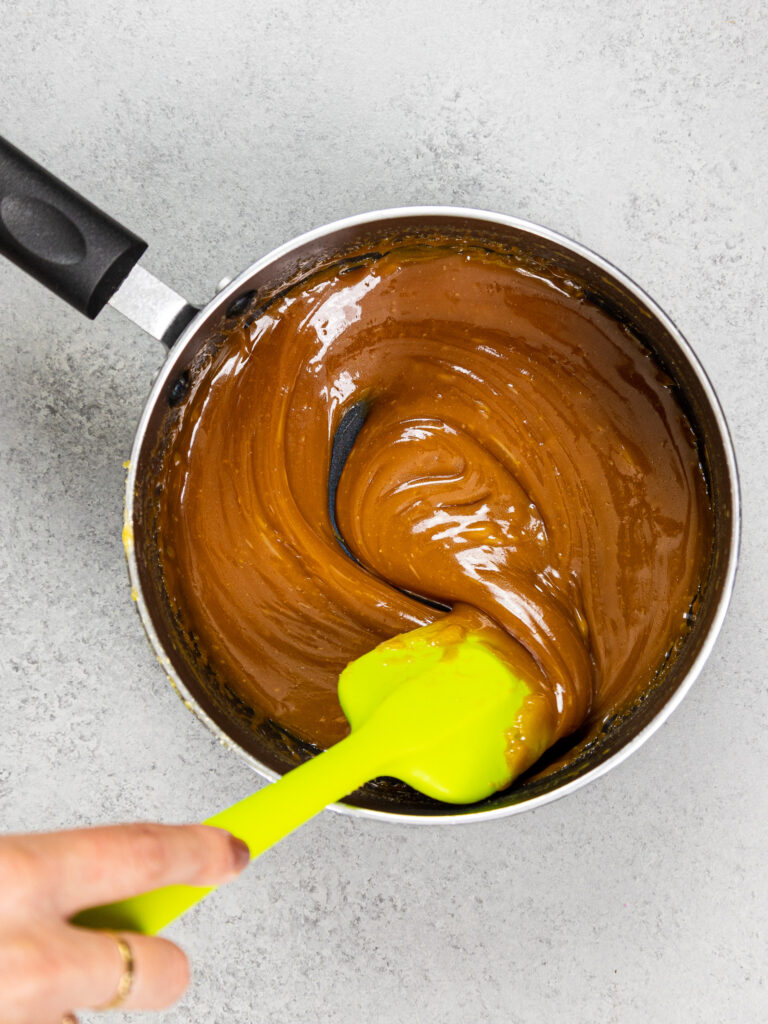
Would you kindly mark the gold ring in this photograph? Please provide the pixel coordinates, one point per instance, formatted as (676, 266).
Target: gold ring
(125, 983)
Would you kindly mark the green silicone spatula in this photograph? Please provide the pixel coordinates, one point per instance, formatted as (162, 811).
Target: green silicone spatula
(437, 708)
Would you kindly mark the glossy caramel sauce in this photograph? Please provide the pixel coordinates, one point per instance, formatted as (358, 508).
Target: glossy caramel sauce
(524, 460)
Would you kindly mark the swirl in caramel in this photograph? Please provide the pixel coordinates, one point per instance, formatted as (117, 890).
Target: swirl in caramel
(525, 460)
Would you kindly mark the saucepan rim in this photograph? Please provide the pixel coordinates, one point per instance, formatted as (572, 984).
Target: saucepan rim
(222, 300)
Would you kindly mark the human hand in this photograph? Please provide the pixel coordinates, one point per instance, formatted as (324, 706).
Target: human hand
(48, 967)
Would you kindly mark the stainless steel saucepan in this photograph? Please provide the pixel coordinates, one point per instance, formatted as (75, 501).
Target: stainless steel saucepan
(90, 260)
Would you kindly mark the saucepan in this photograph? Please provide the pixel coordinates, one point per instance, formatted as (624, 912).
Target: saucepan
(90, 260)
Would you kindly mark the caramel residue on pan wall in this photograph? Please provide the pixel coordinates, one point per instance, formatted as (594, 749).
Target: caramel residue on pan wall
(524, 456)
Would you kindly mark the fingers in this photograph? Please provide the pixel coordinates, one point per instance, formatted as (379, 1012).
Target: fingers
(48, 967)
(55, 969)
(160, 970)
(69, 871)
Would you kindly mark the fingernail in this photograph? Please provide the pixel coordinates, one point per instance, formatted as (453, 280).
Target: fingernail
(69, 1018)
(240, 853)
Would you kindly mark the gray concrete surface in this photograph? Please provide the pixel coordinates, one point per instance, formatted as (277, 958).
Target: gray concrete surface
(218, 130)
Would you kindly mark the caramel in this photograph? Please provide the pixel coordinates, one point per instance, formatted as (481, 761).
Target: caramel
(524, 459)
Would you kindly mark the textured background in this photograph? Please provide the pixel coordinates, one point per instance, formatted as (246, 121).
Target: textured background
(218, 130)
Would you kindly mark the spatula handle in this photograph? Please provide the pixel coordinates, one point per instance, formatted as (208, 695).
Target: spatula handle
(260, 820)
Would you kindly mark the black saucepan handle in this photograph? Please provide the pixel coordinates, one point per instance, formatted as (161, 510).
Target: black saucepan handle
(58, 237)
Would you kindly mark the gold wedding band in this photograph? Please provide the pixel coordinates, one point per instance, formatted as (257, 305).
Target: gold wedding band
(125, 983)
